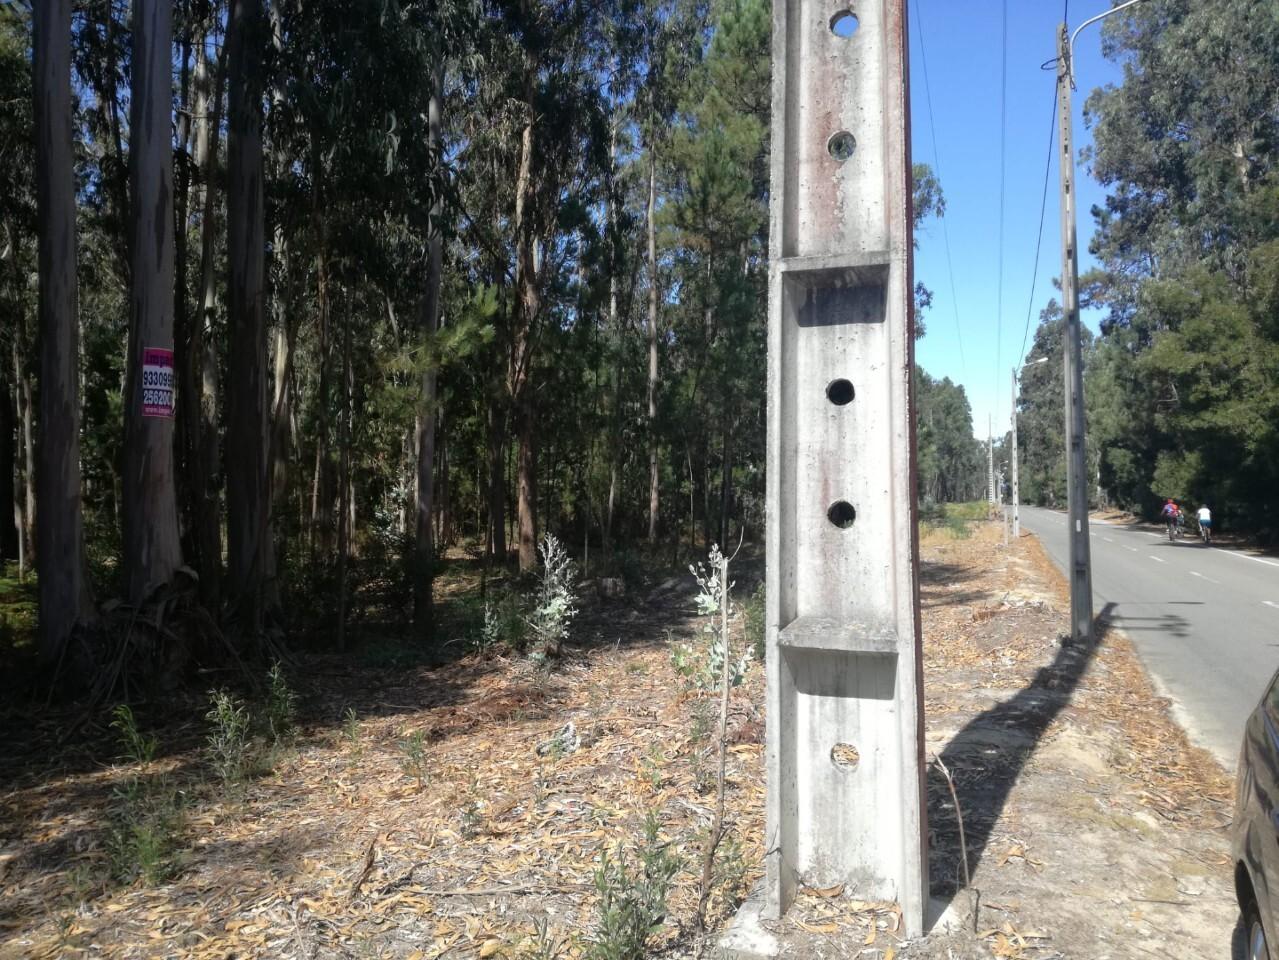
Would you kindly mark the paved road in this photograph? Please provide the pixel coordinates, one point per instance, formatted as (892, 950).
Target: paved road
(1204, 619)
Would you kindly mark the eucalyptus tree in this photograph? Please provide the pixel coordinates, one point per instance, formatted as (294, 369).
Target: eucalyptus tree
(65, 598)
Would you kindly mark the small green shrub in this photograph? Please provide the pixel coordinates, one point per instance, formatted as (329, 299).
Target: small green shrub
(281, 706)
(632, 901)
(555, 603)
(413, 757)
(229, 748)
(144, 834)
(351, 731)
(144, 822)
(137, 748)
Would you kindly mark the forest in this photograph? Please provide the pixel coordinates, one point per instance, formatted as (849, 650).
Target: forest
(413, 279)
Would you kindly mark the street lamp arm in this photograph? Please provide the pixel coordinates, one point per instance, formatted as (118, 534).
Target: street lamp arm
(1070, 67)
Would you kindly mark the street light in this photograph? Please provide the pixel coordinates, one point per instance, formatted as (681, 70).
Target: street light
(1072, 362)
(1016, 453)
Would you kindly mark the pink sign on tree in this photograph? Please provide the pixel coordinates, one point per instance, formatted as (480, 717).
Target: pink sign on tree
(157, 382)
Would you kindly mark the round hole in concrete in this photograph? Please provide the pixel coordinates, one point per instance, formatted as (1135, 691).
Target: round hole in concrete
(841, 145)
(843, 23)
(845, 756)
(839, 392)
(842, 514)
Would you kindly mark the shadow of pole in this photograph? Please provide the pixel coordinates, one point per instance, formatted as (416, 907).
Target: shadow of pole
(987, 756)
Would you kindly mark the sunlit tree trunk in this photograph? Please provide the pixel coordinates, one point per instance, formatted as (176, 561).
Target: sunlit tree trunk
(152, 552)
(520, 375)
(246, 469)
(65, 599)
(424, 546)
(652, 352)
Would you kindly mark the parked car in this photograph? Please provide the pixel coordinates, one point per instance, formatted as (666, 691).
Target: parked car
(1256, 827)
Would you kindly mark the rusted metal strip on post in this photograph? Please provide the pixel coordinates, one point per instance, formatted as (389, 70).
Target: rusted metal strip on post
(845, 721)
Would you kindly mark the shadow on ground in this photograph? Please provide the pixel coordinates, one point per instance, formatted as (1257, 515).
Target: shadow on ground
(987, 756)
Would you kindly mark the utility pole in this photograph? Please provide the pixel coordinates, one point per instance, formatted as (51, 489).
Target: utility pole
(1076, 468)
(990, 463)
(1016, 456)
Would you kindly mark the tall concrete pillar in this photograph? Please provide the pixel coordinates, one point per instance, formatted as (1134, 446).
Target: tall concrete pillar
(844, 736)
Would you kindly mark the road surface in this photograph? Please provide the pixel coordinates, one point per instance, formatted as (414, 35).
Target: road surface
(1205, 620)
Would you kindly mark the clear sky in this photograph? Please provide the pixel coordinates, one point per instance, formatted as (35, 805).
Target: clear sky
(962, 42)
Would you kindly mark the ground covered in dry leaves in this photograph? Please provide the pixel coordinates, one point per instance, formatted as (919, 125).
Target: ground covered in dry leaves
(1093, 829)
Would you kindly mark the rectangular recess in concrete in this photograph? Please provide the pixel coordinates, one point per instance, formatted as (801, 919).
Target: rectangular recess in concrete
(844, 739)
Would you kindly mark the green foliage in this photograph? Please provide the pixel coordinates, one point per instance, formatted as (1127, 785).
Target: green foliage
(145, 822)
(413, 757)
(555, 603)
(701, 664)
(144, 833)
(281, 706)
(138, 749)
(351, 731)
(951, 463)
(632, 899)
(229, 748)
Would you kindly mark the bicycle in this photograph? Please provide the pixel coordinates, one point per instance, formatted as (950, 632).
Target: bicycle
(1205, 532)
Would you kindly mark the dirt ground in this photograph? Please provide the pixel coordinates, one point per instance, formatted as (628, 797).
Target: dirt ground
(1093, 829)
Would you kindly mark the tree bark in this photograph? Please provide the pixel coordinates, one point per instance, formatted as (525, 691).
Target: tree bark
(65, 598)
(200, 372)
(497, 482)
(9, 511)
(27, 413)
(652, 352)
(520, 375)
(345, 499)
(246, 468)
(424, 546)
(152, 551)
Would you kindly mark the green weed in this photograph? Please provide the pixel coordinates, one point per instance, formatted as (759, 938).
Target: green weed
(413, 757)
(632, 900)
(228, 748)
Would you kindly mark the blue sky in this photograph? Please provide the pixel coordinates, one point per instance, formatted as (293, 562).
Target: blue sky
(962, 42)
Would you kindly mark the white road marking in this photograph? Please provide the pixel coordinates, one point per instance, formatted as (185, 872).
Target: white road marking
(1271, 603)
(1107, 539)
(1133, 549)
(1195, 573)
(1157, 559)
(1246, 556)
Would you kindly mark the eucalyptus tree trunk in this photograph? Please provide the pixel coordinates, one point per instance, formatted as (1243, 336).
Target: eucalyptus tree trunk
(615, 333)
(652, 351)
(152, 552)
(200, 372)
(65, 599)
(345, 498)
(520, 374)
(25, 399)
(424, 547)
(9, 512)
(497, 481)
(246, 468)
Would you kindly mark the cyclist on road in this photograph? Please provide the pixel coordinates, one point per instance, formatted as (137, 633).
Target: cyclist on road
(1170, 513)
(1205, 523)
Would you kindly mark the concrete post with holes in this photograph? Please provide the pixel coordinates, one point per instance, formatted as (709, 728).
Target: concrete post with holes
(845, 719)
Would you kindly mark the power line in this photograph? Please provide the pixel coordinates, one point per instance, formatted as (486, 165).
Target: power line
(1039, 236)
(950, 270)
(1003, 158)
